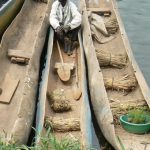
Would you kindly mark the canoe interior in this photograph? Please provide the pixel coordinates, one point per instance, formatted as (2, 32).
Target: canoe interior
(27, 32)
(80, 107)
(136, 97)
(50, 81)
(54, 82)
(8, 11)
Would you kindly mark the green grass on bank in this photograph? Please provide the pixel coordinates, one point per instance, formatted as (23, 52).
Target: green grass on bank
(47, 142)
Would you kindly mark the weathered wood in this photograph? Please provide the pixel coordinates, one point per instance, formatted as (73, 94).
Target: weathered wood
(8, 87)
(67, 65)
(26, 32)
(77, 87)
(81, 128)
(98, 93)
(100, 96)
(105, 11)
(19, 60)
(107, 14)
(19, 53)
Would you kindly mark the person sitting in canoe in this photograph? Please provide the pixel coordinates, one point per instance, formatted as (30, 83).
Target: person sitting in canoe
(65, 20)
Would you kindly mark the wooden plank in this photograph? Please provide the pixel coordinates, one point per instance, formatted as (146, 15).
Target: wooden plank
(8, 87)
(100, 10)
(19, 53)
(19, 60)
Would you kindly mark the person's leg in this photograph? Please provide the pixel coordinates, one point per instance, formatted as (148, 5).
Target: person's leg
(72, 35)
(60, 36)
(67, 42)
(62, 39)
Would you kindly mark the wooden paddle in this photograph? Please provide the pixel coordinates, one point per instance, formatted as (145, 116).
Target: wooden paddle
(63, 69)
(76, 88)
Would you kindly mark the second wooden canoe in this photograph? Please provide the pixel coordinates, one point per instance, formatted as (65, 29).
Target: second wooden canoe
(107, 102)
(7, 13)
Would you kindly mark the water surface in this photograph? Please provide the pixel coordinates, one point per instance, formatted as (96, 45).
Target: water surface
(136, 18)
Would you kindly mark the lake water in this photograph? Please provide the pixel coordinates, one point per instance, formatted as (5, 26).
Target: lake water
(136, 18)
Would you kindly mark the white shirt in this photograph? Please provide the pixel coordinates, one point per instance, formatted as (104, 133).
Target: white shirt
(68, 15)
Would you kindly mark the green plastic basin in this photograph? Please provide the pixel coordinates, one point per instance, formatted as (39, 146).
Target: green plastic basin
(134, 128)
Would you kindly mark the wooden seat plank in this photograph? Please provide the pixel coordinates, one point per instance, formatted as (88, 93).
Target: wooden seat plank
(8, 88)
(19, 53)
(100, 10)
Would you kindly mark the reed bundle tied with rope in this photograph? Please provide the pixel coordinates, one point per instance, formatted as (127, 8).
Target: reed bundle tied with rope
(62, 125)
(125, 83)
(111, 25)
(58, 101)
(107, 59)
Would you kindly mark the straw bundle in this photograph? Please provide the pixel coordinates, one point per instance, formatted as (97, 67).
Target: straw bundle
(128, 104)
(62, 125)
(107, 59)
(112, 25)
(125, 83)
(58, 101)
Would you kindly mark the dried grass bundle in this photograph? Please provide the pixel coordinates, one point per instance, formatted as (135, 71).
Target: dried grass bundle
(58, 101)
(62, 125)
(107, 59)
(126, 104)
(125, 83)
(111, 25)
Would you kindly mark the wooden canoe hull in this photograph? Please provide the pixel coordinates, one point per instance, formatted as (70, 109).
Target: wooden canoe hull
(27, 32)
(7, 13)
(100, 96)
(85, 119)
(97, 91)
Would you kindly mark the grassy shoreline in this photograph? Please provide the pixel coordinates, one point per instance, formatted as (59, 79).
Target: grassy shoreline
(47, 142)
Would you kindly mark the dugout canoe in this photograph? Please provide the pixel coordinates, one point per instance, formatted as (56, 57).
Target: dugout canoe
(80, 109)
(50, 82)
(8, 11)
(106, 101)
(23, 40)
